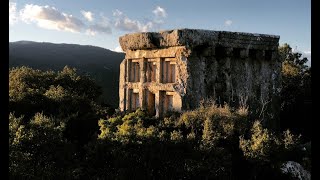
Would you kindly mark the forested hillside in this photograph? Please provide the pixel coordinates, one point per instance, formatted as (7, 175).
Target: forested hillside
(101, 64)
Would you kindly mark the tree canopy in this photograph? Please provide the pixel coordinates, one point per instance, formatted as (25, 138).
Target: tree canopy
(58, 130)
(296, 91)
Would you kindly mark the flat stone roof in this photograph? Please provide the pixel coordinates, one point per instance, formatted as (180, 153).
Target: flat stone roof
(197, 37)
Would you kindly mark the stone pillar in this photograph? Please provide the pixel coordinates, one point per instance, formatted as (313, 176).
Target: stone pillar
(164, 73)
(157, 103)
(159, 71)
(125, 72)
(129, 69)
(129, 97)
(122, 77)
(142, 98)
(125, 94)
(276, 89)
(175, 72)
(274, 56)
(143, 69)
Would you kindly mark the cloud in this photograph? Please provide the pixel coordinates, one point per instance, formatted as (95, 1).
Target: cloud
(102, 27)
(228, 22)
(12, 12)
(88, 15)
(117, 13)
(118, 49)
(99, 28)
(306, 53)
(160, 12)
(124, 23)
(50, 18)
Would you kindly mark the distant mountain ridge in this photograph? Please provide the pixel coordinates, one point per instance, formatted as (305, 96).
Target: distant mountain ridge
(101, 64)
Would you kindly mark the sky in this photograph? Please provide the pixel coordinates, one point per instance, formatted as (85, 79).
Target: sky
(102, 22)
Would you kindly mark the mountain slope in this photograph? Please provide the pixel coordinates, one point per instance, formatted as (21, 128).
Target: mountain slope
(101, 64)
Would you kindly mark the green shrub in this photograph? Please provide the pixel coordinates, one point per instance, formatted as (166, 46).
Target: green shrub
(266, 146)
(260, 145)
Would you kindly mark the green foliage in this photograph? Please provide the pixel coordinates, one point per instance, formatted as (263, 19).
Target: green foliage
(286, 55)
(64, 141)
(265, 151)
(264, 146)
(56, 93)
(197, 144)
(37, 149)
(133, 126)
(60, 93)
(296, 90)
(211, 124)
(290, 140)
(192, 120)
(14, 124)
(260, 145)
(46, 145)
(82, 86)
(24, 82)
(176, 136)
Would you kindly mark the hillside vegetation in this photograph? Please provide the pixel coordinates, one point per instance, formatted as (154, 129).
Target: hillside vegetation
(58, 129)
(101, 64)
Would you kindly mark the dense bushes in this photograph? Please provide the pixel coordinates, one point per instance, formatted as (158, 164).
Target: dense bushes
(208, 142)
(37, 149)
(52, 115)
(57, 130)
(61, 93)
(296, 100)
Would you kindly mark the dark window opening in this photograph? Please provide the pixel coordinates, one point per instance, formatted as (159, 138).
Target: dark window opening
(165, 102)
(268, 55)
(135, 72)
(168, 72)
(236, 52)
(150, 103)
(134, 97)
(221, 52)
(253, 53)
(151, 71)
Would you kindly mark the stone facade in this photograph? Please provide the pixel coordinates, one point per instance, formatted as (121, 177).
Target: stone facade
(174, 70)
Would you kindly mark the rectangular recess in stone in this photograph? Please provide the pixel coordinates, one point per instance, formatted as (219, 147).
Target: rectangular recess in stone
(220, 51)
(150, 103)
(268, 55)
(134, 100)
(168, 71)
(167, 99)
(151, 71)
(169, 103)
(134, 72)
(253, 53)
(236, 52)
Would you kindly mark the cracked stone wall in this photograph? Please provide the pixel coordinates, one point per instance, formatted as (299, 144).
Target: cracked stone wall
(230, 67)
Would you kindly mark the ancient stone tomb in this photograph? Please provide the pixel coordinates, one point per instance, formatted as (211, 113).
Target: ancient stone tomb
(174, 70)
